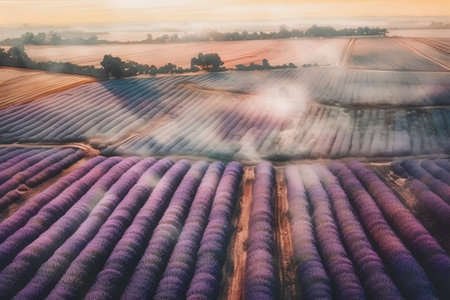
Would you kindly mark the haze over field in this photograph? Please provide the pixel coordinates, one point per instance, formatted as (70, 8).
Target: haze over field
(83, 11)
(225, 149)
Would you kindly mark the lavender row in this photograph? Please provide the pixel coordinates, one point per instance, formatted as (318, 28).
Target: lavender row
(443, 163)
(314, 280)
(104, 251)
(406, 272)
(14, 156)
(81, 117)
(212, 251)
(8, 192)
(25, 263)
(344, 279)
(44, 175)
(368, 264)
(20, 165)
(50, 272)
(180, 267)
(426, 249)
(51, 212)
(5, 150)
(151, 266)
(102, 288)
(435, 185)
(54, 169)
(438, 172)
(438, 209)
(24, 213)
(260, 279)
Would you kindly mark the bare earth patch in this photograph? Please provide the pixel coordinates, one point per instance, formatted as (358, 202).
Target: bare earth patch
(22, 86)
(324, 52)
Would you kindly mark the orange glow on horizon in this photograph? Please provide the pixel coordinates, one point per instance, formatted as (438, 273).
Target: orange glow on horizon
(55, 12)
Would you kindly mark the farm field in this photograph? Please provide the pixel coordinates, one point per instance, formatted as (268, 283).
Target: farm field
(365, 53)
(324, 52)
(385, 53)
(329, 181)
(441, 34)
(102, 227)
(434, 49)
(213, 115)
(22, 86)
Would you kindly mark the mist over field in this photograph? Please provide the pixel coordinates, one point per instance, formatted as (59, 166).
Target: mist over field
(228, 149)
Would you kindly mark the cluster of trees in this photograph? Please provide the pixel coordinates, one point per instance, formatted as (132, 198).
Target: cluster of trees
(315, 31)
(115, 67)
(438, 25)
(265, 65)
(111, 66)
(328, 31)
(51, 39)
(284, 33)
(210, 62)
(17, 57)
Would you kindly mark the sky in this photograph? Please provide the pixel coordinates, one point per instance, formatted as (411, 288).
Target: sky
(57, 12)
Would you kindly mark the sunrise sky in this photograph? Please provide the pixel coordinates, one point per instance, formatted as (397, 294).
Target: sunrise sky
(54, 12)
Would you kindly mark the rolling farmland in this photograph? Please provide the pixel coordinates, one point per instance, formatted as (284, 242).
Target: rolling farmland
(165, 229)
(21, 86)
(365, 53)
(329, 181)
(384, 55)
(434, 49)
(197, 115)
(324, 52)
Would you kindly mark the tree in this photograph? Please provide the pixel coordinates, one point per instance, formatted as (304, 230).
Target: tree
(3, 57)
(266, 64)
(113, 66)
(166, 69)
(18, 58)
(210, 62)
(55, 39)
(27, 38)
(92, 40)
(39, 39)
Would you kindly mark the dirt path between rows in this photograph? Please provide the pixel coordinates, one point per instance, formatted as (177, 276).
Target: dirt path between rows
(284, 253)
(434, 44)
(420, 53)
(86, 147)
(347, 53)
(233, 283)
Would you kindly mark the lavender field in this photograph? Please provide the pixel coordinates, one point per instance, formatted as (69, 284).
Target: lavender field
(358, 114)
(164, 229)
(330, 180)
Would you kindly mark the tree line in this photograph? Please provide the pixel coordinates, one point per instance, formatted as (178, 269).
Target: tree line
(115, 67)
(42, 38)
(314, 31)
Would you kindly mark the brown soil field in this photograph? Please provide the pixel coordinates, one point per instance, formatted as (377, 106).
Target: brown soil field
(390, 54)
(324, 52)
(402, 54)
(21, 86)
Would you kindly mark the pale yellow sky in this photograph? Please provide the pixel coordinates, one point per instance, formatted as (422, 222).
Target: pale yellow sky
(54, 12)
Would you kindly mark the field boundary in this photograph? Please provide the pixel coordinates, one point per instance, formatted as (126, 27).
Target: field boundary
(420, 53)
(399, 186)
(284, 253)
(235, 265)
(347, 53)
